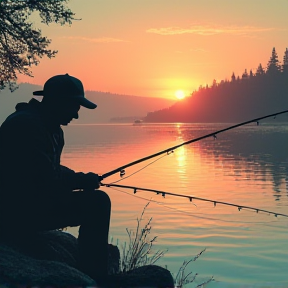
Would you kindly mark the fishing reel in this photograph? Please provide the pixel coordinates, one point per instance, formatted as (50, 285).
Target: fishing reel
(122, 173)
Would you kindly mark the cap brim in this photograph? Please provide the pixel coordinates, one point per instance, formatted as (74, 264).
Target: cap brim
(86, 103)
(82, 101)
(39, 93)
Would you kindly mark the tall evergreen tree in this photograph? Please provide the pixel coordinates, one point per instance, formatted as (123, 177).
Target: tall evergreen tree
(251, 73)
(260, 70)
(233, 78)
(245, 74)
(285, 62)
(273, 64)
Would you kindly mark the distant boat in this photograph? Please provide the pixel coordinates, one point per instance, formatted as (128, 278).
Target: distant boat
(138, 122)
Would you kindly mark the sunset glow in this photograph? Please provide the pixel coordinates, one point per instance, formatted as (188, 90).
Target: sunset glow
(180, 94)
(189, 130)
(154, 56)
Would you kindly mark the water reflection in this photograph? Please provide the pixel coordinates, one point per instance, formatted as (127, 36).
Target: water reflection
(257, 153)
(181, 157)
(252, 153)
(244, 166)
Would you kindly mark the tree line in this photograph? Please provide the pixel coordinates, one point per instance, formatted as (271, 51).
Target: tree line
(236, 100)
(273, 66)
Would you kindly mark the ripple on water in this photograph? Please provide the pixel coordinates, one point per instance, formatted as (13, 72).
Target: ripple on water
(246, 166)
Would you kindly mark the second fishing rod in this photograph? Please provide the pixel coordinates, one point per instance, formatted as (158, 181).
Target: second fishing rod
(171, 149)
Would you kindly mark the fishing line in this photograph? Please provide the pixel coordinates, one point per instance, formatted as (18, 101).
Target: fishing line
(123, 173)
(169, 150)
(162, 204)
(191, 198)
(213, 134)
(171, 208)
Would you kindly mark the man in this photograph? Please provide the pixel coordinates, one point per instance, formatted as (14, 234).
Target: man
(36, 190)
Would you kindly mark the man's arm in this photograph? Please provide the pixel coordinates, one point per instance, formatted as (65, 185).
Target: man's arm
(78, 180)
(24, 160)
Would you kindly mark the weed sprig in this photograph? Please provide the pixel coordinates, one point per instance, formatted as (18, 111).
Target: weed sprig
(137, 252)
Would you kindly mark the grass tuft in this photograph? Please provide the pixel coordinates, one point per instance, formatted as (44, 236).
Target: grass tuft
(182, 278)
(138, 251)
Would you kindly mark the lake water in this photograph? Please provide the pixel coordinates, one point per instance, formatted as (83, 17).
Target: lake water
(246, 166)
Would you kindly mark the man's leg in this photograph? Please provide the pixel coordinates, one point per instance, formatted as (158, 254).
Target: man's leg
(89, 209)
(95, 209)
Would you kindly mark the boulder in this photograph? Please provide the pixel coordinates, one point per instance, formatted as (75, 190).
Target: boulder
(50, 258)
(146, 276)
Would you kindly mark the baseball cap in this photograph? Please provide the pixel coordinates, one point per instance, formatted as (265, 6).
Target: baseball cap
(65, 86)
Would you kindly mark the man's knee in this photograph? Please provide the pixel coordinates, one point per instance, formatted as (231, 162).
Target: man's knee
(95, 215)
(98, 197)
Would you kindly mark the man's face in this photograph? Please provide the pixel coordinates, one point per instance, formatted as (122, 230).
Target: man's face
(68, 111)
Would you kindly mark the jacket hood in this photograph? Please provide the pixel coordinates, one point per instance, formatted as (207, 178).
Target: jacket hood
(22, 106)
(35, 110)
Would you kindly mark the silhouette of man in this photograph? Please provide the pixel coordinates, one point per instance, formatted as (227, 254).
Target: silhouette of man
(36, 190)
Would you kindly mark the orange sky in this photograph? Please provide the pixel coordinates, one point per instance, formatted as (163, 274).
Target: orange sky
(155, 47)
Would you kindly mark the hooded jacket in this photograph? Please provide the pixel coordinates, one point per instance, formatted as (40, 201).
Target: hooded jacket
(30, 151)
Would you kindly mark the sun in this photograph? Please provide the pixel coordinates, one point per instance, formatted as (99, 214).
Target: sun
(180, 94)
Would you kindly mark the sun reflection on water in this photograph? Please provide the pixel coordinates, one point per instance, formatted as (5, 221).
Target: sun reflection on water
(226, 169)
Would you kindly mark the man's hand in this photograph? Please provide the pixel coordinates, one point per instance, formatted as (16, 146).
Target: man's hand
(91, 181)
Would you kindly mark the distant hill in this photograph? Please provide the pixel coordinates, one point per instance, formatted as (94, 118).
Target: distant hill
(110, 106)
(113, 106)
(235, 101)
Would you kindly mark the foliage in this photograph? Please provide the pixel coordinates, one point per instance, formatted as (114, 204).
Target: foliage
(285, 62)
(182, 278)
(260, 70)
(273, 64)
(251, 96)
(22, 45)
(245, 74)
(137, 252)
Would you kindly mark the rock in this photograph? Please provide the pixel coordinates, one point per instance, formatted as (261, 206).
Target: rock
(113, 259)
(46, 259)
(146, 276)
(50, 258)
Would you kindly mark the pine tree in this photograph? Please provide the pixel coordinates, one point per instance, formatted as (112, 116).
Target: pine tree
(273, 64)
(260, 70)
(251, 74)
(285, 62)
(233, 78)
(245, 74)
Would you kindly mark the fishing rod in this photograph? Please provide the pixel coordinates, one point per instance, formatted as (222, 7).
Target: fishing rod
(171, 149)
(191, 198)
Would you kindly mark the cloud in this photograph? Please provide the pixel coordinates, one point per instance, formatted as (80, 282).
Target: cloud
(208, 30)
(95, 40)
